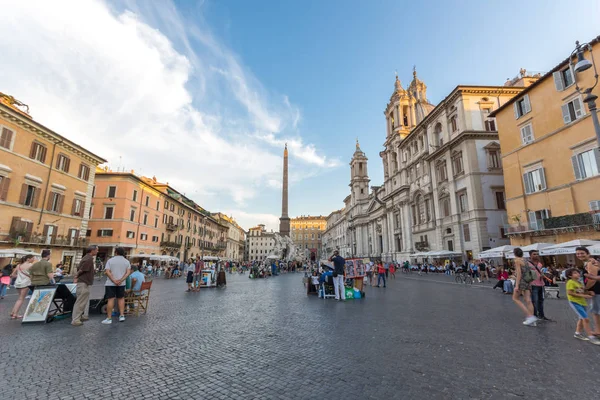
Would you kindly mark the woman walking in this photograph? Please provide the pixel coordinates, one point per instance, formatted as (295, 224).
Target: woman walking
(22, 283)
(524, 277)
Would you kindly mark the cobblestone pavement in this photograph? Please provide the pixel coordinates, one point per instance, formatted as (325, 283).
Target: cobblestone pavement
(419, 338)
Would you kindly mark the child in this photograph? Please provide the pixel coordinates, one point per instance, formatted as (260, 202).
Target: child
(577, 300)
(314, 280)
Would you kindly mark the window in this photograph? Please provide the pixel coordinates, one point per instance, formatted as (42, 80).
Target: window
(166, 205)
(105, 232)
(446, 207)
(77, 208)
(155, 239)
(29, 195)
(572, 111)
(457, 164)
(94, 191)
(134, 198)
(55, 202)
(112, 191)
(84, 172)
(63, 163)
(595, 206)
(490, 125)
(500, 201)
(147, 200)
(454, 124)
(156, 222)
(158, 206)
(442, 171)
(38, 152)
(132, 215)
(563, 79)
(143, 236)
(172, 207)
(494, 159)
(536, 219)
(522, 106)
(130, 234)
(526, 134)
(534, 181)
(466, 233)
(88, 233)
(108, 212)
(503, 234)
(462, 202)
(6, 137)
(585, 164)
(145, 219)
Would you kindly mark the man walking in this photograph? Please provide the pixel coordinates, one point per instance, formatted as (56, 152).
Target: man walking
(338, 275)
(41, 272)
(117, 270)
(84, 278)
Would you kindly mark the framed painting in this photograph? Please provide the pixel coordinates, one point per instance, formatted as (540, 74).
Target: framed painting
(39, 305)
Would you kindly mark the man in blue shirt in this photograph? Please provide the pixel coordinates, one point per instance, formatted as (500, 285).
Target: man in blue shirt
(137, 278)
(338, 275)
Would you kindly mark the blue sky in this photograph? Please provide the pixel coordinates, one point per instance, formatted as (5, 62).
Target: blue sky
(203, 94)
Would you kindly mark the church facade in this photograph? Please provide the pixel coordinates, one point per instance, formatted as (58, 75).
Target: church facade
(443, 185)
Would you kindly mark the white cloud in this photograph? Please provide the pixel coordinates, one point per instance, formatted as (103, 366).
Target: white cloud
(112, 82)
(248, 220)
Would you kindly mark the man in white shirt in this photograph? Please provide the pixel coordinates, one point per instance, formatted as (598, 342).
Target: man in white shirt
(117, 270)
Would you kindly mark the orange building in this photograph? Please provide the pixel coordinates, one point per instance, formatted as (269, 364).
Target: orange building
(550, 156)
(46, 186)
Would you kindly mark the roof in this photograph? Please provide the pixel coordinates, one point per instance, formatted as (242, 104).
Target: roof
(539, 81)
(30, 121)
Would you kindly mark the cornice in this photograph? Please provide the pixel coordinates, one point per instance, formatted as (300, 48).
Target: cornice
(465, 135)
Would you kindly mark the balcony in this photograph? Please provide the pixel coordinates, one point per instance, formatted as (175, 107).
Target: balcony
(171, 245)
(171, 227)
(565, 223)
(38, 239)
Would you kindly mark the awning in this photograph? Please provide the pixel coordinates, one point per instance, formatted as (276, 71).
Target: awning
(528, 248)
(10, 253)
(567, 247)
(594, 250)
(496, 252)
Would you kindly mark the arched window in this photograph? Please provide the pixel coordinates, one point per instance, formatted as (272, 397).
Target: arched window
(421, 216)
(454, 123)
(438, 134)
(446, 207)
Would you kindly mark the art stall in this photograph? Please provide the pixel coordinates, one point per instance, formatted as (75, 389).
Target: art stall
(212, 275)
(355, 274)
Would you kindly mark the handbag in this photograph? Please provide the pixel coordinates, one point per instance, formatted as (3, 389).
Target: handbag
(5, 280)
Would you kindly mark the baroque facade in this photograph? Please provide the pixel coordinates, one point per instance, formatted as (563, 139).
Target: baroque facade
(307, 234)
(443, 186)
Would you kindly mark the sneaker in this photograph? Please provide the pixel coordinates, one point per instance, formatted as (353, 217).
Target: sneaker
(529, 321)
(107, 321)
(594, 340)
(85, 319)
(580, 336)
(76, 323)
(121, 318)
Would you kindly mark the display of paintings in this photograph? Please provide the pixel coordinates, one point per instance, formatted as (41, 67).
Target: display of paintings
(355, 268)
(39, 305)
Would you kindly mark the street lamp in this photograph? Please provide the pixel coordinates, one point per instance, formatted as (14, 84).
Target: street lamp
(590, 98)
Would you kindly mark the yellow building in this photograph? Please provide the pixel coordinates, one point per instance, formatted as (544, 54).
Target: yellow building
(550, 157)
(46, 184)
(307, 234)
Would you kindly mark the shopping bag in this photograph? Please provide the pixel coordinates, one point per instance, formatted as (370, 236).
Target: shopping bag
(356, 293)
(349, 293)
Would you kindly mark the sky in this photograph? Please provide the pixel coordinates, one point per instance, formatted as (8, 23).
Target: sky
(205, 94)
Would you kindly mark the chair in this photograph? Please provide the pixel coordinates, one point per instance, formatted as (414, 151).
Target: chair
(134, 301)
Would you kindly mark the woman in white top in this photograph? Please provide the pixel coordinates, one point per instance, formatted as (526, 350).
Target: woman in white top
(22, 283)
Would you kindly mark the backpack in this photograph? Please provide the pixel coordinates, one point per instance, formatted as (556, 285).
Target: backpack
(529, 276)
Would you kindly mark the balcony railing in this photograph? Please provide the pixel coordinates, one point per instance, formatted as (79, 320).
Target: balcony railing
(171, 227)
(571, 221)
(174, 245)
(49, 240)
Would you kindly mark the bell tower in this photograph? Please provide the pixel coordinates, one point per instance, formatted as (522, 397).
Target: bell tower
(359, 176)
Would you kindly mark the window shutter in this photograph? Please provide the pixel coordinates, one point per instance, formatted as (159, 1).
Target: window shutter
(32, 151)
(578, 108)
(45, 233)
(99, 232)
(597, 157)
(558, 81)
(543, 178)
(516, 108)
(595, 205)
(4, 188)
(36, 197)
(67, 164)
(527, 183)
(73, 206)
(526, 104)
(532, 220)
(61, 201)
(576, 168)
(23, 194)
(49, 202)
(565, 113)
(43, 155)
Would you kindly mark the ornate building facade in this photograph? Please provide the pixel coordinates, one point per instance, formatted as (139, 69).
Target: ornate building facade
(443, 186)
(307, 234)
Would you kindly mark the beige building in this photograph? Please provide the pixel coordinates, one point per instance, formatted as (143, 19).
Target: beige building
(260, 243)
(306, 233)
(46, 184)
(551, 158)
(236, 237)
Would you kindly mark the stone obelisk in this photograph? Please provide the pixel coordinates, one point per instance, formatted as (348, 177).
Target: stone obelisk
(284, 221)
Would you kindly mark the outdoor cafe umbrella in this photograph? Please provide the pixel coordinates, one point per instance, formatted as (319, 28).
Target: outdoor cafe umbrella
(594, 250)
(567, 247)
(10, 253)
(496, 252)
(528, 248)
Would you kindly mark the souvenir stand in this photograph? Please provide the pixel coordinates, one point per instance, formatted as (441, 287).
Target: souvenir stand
(355, 273)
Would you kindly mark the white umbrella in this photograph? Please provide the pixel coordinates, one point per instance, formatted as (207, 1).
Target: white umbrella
(10, 253)
(444, 253)
(594, 250)
(567, 247)
(496, 252)
(528, 248)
